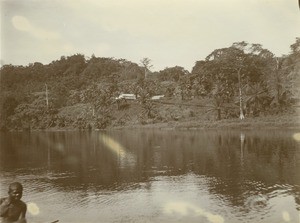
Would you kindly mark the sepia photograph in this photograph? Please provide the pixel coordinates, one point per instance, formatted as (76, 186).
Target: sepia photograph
(151, 111)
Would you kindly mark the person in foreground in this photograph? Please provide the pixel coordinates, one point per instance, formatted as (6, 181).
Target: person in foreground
(12, 208)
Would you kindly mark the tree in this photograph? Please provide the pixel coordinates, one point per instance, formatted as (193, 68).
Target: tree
(129, 70)
(277, 83)
(185, 85)
(229, 66)
(34, 114)
(113, 84)
(146, 63)
(221, 99)
(256, 98)
(149, 109)
(235, 66)
(282, 78)
(292, 67)
(203, 74)
(172, 73)
(7, 109)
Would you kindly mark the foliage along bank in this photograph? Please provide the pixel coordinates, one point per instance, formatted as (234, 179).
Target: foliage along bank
(243, 80)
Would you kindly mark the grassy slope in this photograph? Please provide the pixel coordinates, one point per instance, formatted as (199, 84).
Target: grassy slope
(174, 114)
(193, 117)
(276, 121)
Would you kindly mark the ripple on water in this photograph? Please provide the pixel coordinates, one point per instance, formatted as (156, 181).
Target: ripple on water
(280, 190)
(269, 202)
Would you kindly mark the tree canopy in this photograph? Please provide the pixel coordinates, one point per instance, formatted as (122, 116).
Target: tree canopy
(242, 75)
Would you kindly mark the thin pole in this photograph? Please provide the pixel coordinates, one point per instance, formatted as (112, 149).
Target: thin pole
(47, 102)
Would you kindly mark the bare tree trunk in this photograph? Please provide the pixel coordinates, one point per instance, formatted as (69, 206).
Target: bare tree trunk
(219, 114)
(278, 86)
(240, 95)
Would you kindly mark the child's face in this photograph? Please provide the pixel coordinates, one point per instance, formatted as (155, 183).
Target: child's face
(15, 193)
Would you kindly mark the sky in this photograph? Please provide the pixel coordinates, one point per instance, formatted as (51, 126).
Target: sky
(168, 32)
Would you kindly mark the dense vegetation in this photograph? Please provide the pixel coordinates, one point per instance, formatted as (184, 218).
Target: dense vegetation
(243, 80)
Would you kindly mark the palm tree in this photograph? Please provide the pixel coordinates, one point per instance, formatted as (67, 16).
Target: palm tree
(255, 97)
(221, 100)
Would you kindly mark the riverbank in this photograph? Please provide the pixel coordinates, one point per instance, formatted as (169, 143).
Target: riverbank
(268, 122)
(282, 121)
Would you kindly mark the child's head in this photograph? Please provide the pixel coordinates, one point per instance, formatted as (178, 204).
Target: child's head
(15, 191)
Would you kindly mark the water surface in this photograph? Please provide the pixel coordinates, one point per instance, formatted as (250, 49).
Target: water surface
(155, 175)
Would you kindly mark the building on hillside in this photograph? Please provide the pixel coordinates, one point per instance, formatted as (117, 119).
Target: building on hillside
(126, 96)
(157, 97)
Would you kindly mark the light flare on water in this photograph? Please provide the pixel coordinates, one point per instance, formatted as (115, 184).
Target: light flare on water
(286, 216)
(185, 209)
(296, 136)
(113, 145)
(33, 209)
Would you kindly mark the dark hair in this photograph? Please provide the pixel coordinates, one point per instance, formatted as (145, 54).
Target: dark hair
(16, 184)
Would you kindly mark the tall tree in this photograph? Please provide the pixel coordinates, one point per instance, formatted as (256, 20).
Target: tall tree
(235, 66)
(146, 63)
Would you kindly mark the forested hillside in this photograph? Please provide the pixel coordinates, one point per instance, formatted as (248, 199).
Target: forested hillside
(240, 81)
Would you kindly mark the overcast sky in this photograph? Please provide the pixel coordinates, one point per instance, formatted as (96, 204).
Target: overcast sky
(169, 32)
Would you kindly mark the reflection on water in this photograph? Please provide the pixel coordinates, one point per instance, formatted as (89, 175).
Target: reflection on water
(155, 176)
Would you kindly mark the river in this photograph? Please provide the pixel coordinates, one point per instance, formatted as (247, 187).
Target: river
(155, 175)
